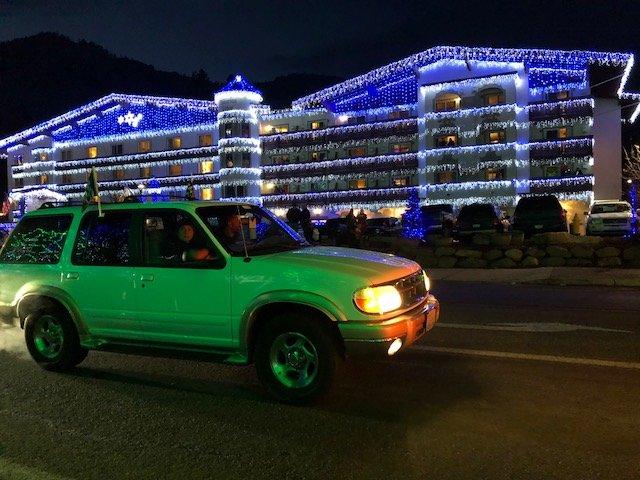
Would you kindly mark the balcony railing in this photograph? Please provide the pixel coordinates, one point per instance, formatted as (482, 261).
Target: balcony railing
(565, 109)
(575, 147)
(341, 134)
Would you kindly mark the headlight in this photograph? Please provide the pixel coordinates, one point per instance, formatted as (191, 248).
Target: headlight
(427, 282)
(378, 299)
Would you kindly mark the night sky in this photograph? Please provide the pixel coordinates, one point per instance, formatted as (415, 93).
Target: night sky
(264, 39)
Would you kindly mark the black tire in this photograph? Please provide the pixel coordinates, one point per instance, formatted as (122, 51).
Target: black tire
(319, 337)
(59, 351)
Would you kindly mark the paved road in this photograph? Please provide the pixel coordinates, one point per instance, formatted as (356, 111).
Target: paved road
(518, 382)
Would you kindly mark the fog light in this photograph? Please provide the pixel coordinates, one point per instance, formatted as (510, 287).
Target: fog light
(395, 346)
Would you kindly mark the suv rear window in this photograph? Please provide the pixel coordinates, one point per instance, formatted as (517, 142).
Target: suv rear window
(37, 240)
(610, 208)
(530, 204)
(103, 241)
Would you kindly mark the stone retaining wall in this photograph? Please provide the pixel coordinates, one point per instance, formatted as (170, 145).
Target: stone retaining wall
(513, 251)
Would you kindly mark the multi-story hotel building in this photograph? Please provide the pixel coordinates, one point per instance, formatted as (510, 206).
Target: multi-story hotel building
(456, 124)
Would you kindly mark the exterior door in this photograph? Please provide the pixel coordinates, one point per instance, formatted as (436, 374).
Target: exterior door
(184, 294)
(100, 276)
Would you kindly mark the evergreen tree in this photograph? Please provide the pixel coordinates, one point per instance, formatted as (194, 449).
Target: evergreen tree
(412, 219)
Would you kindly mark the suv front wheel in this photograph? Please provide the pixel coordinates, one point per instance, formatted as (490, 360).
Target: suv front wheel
(295, 358)
(52, 340)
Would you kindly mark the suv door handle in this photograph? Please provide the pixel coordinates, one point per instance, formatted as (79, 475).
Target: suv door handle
(146, 278)
(72, 275)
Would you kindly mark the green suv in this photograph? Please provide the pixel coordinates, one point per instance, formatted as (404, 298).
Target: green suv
(219, 281)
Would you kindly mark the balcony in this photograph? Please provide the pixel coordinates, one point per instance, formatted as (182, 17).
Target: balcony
(334, 167)
(561, 185)
(340, 134)
(346, 196)
(574, 147)
(567, 109)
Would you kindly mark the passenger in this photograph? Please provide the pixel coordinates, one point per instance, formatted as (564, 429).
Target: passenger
(191, 251)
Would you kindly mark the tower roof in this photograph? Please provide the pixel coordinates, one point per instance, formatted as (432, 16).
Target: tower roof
(239, 84)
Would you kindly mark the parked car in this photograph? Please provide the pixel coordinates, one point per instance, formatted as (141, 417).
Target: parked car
(539, 214)
(609, 217)
(216, 281)
(437, 219)
(476, 218)
(384, 226)
(335, 229)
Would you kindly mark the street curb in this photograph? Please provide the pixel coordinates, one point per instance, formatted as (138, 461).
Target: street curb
(578, 276)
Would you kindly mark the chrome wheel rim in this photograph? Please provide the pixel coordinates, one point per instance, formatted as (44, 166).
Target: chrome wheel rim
(48, 336)
(294, 360)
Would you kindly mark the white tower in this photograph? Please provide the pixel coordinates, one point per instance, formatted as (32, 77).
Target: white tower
(239, 140)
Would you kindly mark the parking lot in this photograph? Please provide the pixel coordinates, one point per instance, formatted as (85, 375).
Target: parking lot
(515, 382)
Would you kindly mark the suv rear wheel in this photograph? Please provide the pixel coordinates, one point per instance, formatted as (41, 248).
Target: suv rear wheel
(52, 340)
(295, 358)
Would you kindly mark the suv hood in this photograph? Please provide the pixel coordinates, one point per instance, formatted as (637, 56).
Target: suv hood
(373, 266)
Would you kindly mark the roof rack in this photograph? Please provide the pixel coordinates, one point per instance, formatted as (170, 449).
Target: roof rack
(138, 198)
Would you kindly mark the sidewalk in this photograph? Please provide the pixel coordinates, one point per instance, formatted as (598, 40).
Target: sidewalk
(610, 277)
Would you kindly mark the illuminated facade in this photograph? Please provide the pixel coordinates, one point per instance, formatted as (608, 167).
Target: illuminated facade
(454, 124)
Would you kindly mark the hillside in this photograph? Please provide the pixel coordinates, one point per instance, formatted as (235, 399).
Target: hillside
(47, 74)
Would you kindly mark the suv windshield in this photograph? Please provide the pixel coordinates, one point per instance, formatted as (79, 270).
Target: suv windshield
(610, 208)
(240, 226)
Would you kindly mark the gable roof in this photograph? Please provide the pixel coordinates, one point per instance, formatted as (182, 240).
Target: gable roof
(80, 119)
(405, 69)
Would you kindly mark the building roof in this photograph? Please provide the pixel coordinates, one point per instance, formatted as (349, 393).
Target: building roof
(403, 72)
(102, 117)
(239, 84)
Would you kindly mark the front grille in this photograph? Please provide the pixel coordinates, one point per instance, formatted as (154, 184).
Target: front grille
(412, 289)
(614, 221)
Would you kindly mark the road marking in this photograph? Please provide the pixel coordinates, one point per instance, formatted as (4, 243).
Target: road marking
(530, 327)
(529, 356)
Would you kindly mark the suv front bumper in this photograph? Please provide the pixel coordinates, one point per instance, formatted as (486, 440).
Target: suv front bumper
(366, 338)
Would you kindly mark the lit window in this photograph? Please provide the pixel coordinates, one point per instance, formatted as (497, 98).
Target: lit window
(357, 184)
(400, 147)
(206, 167)
(205, 140)
(557, 133)
(446, 141)
(144, 146)
(92, 152)
(317, 125)
(357, 152)
(175, 143)
(175, 170)
(145, 172)
(561, 95)
(43, 178)
(497, 136)
(206, 194)
(447, 101)
(494, 174)
(118, 174)
(400, 182)
(281, 128)
(280, 159)
(43, 157)
(318, 156)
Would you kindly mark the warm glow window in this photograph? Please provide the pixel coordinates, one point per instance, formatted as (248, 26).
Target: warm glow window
(118, 174)
(205, 140)
(175, 143)
(448, 176)
(206, 194)
(400, 182)
(175, 170)
(357, 152)
(401, 147)
(144, 146)
(145, 172)
(447, 102)
(358, 183)
(92, 152)
(316, 125)
(494, 174)
(496, 136)
(206, 167)
(318, 156)
(444, 141)
(281, 128)
(557, 133)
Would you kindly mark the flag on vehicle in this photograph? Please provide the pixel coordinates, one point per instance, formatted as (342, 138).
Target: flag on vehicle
(91, 193)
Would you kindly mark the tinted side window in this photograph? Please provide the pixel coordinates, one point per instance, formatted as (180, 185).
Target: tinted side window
(37, 240)
(103, 241)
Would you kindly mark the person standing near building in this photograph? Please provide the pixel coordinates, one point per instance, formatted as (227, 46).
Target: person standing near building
(305, 221)
(293, 217)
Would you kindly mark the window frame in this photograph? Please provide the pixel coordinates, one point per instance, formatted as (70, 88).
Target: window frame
(69, 232)
(133, 240)
(221, 259)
